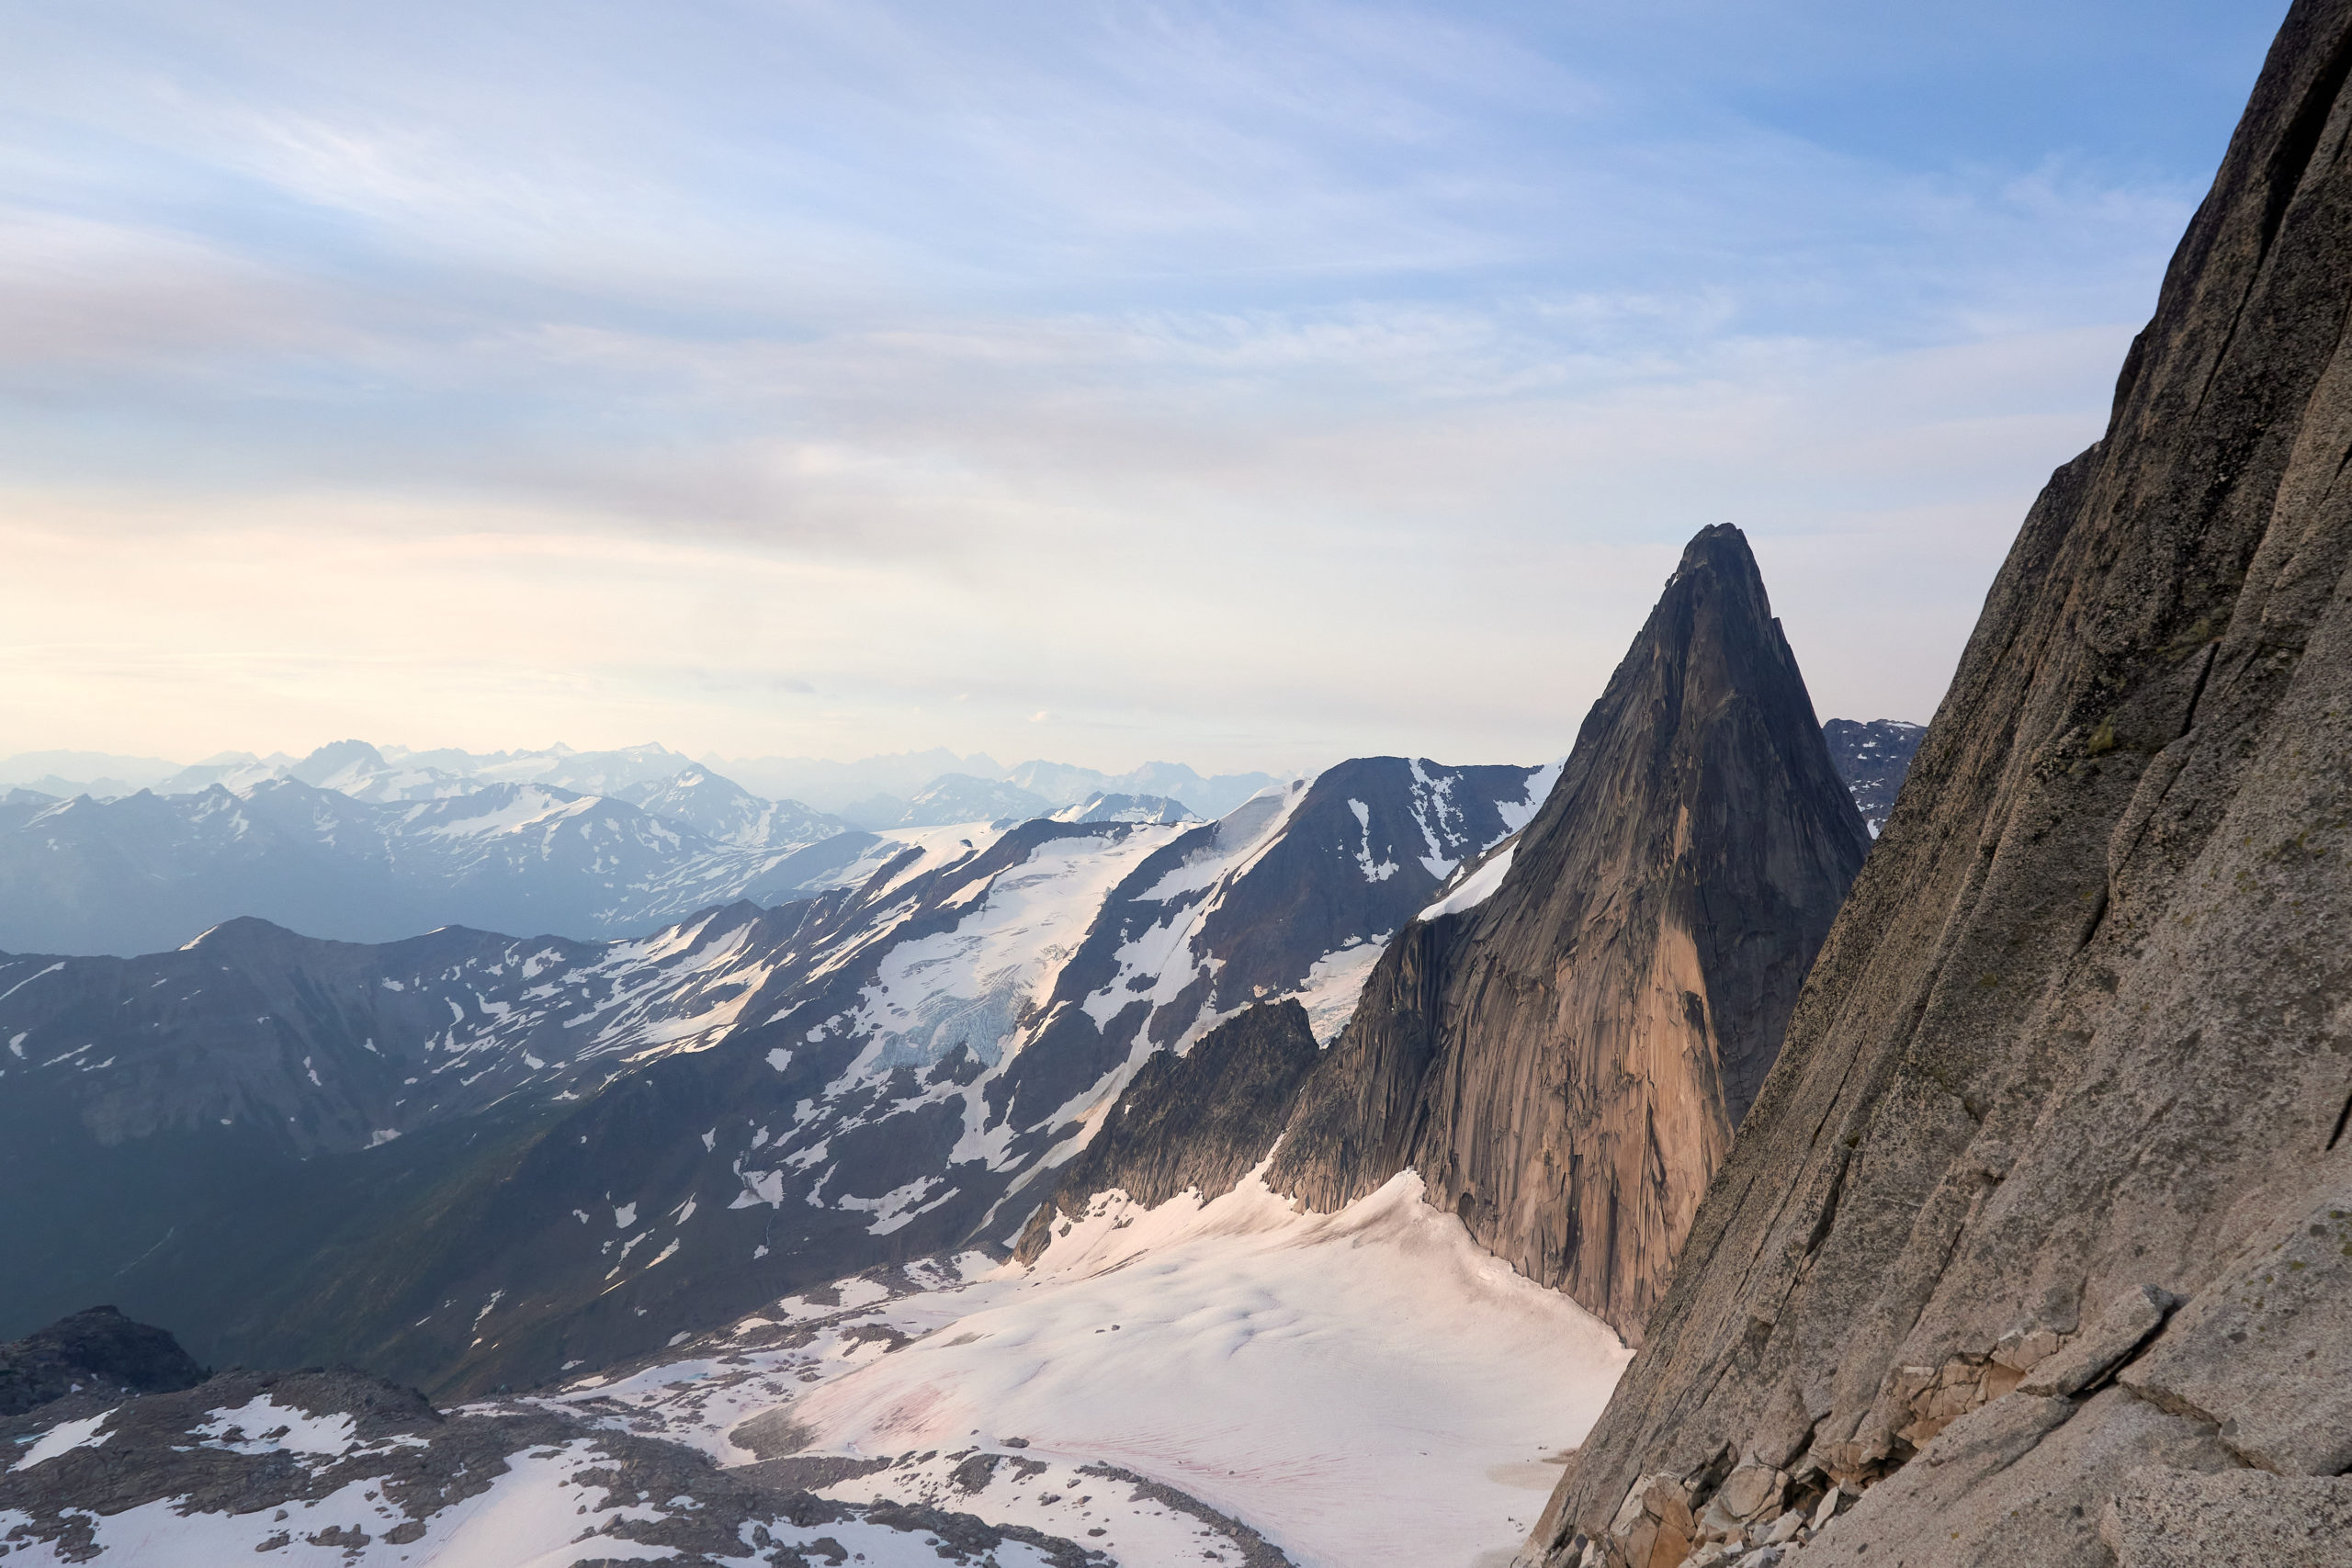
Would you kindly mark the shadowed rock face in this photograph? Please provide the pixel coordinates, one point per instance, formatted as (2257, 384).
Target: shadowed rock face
(98, 1351)
(1565, 1062)
(2045, 1211)
(1202, 1120)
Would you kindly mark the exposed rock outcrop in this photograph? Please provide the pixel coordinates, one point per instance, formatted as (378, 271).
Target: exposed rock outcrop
(2043, 1222)
(264, 1462)
(1198, 1122)
(98, 1352)
(1566, 1062)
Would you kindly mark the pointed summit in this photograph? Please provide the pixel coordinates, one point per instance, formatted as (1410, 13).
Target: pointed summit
(1565, 1062)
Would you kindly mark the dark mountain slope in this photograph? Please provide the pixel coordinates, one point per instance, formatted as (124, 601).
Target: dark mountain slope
(1872, 758)
(1566, 1062)
(174, 1128)
(1199, 1120)
(2036, 1237)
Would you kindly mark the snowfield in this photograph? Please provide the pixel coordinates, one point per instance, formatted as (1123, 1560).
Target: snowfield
(1363, 1389)
(1231, 1383)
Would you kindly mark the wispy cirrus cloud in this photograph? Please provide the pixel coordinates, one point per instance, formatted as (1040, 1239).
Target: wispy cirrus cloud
(1256, 384)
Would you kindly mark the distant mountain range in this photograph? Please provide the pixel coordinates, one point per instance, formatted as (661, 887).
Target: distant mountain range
(150, 871)
(874, 791)
(907, 789)
(240, 1133)
(355, 843)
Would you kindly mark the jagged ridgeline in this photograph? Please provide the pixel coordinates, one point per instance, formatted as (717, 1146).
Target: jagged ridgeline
(470, 1159)
(1197, 1122)
(1565, 1062)
(2037, 1247)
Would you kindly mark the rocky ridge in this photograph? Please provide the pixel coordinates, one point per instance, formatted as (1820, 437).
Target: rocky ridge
(1196, 1123)
(2036, 1245)
(654, 1460)
(468, 1161)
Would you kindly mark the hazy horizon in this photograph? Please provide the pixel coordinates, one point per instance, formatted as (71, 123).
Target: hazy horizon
(13, 763)
(82, 765)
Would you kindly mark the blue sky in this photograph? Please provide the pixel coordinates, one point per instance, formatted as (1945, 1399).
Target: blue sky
(1252, 384)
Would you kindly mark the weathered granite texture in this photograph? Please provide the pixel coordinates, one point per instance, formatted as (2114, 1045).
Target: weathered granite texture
(1565, 1062)
(2170, 1519)
(1200, 1120)
(2049, 1188)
